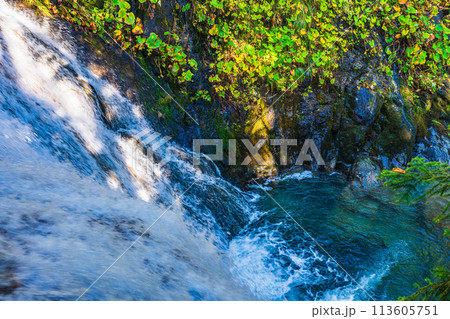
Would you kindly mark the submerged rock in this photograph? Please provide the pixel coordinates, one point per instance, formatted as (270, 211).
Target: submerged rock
(365, 172)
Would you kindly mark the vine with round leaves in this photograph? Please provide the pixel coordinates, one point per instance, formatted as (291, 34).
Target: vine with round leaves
(117, 18)
(259, 48)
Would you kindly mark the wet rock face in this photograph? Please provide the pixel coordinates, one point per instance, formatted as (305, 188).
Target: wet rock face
(365, 104)
(361, 110)
(436, 147)
(365, 172)
(315, 122)
(363, 126)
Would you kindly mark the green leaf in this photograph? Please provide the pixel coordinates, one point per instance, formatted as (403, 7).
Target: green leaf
(186, 7)
(193, 63)
(124, 5)
(187, 75)
(140, 39)
(422, 57)
(389, 72)
(130, 18)
(153, 41)
(436, 57)
(411, 10)
(122, 13)
(215, 3)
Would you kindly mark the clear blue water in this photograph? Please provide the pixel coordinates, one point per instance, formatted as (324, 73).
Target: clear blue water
(384, 246)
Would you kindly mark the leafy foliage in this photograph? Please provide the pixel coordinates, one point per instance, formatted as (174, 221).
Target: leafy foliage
(269, 45)
(116, 18)
(439, 290)
(423, 180)
(434, 176)
(275, 45)
(418, 40)
(261, 47)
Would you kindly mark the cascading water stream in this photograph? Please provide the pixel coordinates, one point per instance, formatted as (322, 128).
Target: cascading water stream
(76, 189)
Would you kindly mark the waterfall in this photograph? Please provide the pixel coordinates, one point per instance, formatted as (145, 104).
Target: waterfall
(77, 187)
(86, 213)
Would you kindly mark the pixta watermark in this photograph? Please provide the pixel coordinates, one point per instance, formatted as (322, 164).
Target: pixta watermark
(308, 151)
(149, 145)
(152, 143)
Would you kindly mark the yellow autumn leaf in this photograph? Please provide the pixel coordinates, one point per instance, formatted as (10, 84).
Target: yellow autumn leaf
(213, 30)
(138, 29)
(399, 170)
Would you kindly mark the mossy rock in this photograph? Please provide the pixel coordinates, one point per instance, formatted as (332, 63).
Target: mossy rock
(392, 135)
